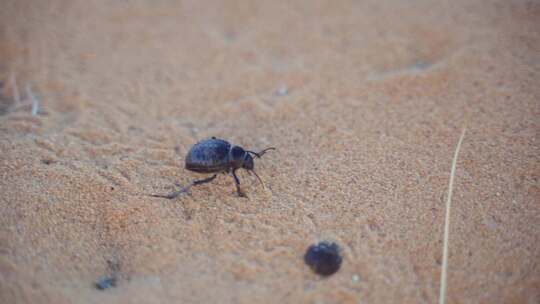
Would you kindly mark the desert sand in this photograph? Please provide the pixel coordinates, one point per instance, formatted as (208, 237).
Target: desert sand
(365, 102)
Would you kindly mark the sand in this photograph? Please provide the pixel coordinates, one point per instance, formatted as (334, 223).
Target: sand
(365, 102)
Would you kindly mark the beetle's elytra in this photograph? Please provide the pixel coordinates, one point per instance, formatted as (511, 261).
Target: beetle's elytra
(216, 155)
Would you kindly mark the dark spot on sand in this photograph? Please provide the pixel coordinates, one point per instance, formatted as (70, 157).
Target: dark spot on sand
(323, 258)
(47, 161)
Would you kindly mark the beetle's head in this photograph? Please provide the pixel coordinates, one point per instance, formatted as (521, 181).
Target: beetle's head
(248, 162)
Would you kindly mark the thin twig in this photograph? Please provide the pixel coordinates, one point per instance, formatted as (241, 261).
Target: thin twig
(33, 98)
(444, 266)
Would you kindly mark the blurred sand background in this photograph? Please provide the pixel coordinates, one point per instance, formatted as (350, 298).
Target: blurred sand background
(365, 101)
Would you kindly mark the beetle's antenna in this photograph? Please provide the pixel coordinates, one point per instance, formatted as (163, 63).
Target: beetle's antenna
(260, 180)
(260, 154)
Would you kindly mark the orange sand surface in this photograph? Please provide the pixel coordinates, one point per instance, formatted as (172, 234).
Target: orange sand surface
(365, 102)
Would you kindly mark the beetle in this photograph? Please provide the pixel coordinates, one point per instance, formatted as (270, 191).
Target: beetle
(323, 258)
(214, 155)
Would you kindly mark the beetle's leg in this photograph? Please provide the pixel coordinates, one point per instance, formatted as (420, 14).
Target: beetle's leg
(257, 175)
(237, 183)
(186, 188)
(203, 181)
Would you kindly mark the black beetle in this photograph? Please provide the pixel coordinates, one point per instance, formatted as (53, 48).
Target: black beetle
(324, 258)
(216, 155)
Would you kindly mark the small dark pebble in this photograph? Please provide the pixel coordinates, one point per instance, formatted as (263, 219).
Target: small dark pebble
(324, 258)
(106, 283)
(47, 161)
